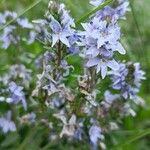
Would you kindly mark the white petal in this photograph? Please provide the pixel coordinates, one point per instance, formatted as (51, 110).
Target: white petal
(85, 26)
(100, 42)
(61, 117)
(113, 65)
(120, 49)
(92, 52)
(103, 70)
(55, 39)
(98, 68)
(93, 62)
(64, 40)
(72, 120)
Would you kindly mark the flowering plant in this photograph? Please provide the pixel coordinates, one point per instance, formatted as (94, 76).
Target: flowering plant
(70, 102)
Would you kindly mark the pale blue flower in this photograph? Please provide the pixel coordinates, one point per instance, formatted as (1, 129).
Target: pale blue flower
(122, 9)
(128, 79)
(6, 124)
(95, 134)
(24, 23)
(17, 95)
(78, 134)
(110, 98)
(28, 118)
(112, 15)
(100, 40)
(59, 33)
(138, 75)
(8, 35)
(73, 39)
(16, 72)
(96, 2)
(61, 30)
(102, 65)
(66, 19)
(9, 14)
(7, 38)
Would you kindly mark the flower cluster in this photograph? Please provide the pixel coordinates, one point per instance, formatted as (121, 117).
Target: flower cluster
(112, 14)
(6, 124)
(127, 79)
(17, 72)
(100, 39)
(15, 95)
(61, 26)
(9, 32)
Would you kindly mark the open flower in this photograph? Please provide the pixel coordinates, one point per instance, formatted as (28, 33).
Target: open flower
(96, 2)
(128, 79)
(68, 127)
(6, 124)
(17, 95)
(95, 134)
(59, 33)
(99, 41)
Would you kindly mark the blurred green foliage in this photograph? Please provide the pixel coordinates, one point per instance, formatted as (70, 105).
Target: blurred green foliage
(136, 34)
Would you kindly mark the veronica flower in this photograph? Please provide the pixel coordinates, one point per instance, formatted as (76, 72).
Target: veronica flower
(100, 41)
(17, 95)
(59, 33)
(122, 9)
(102, 65)
(73, 39)
(7, 35)
(2, 19)
(127, 110)
(61, 30)
(128, 79)
(24, 23)
(95, 134)
(138, 75)
(9, 14)
(7, 38)
(6, 124)
(66, 19)
(101, 34)
(16, 72)
(112, 15)
(28, 118)
(68, 127)
(78, 133)
(109, 98)
(96, 2)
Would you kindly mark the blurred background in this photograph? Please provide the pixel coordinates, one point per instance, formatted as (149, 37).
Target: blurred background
(136, 36)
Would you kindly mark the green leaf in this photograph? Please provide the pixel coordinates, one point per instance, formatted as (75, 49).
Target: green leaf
(84, 17)
(133, 138)
(11, 139)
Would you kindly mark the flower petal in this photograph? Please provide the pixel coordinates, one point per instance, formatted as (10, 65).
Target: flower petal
(113, 65)
(64, 40)
(103, 70)
(55, 38)
(93, 62)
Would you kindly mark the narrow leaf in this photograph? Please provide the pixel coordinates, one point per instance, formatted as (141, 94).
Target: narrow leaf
(137, 136)
(84, 17)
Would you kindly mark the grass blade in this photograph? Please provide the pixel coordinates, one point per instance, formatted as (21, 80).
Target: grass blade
(26, 10)
(84, 17)
(137, 136)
